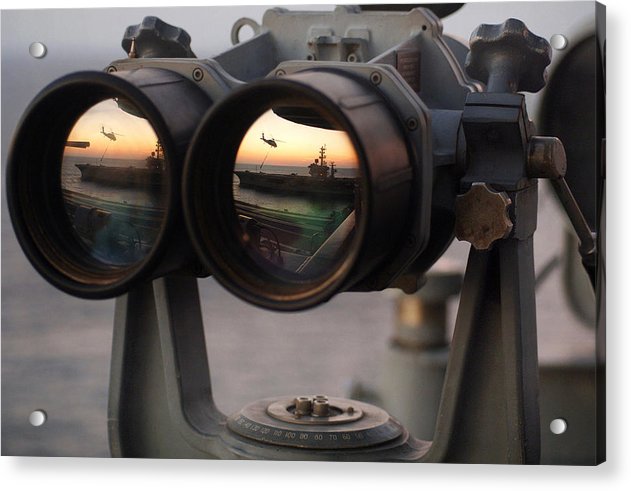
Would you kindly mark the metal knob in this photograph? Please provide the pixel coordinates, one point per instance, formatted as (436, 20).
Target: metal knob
(482, 216)
(508, 57)
(321, 407)
(153, 38)
(304, 406)
(546, 158)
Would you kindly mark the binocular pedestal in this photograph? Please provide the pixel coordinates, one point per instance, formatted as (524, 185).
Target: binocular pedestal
(161, 401)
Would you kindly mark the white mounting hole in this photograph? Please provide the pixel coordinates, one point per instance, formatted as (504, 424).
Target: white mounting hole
(244, 29)
(558, 426)
(558, 41)
(37, 417)
(37, 50)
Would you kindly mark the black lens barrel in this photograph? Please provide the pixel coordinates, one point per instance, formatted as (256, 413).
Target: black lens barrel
(173, 107)
(386, 165)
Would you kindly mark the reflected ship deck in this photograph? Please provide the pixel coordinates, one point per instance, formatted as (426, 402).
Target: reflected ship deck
(296, 232)
(295, 184)
(122, 177)
(89, 214)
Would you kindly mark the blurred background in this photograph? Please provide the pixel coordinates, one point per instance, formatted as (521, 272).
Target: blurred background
(56, 348)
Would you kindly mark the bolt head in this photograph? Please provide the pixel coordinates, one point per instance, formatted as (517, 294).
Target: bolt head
(375, 78)
(198, 74)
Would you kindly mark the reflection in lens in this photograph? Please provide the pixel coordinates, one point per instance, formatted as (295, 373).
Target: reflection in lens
(112, 180)
(296, 190)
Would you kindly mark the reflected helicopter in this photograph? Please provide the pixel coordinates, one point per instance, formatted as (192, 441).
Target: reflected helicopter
(272, 142)
(111, 135)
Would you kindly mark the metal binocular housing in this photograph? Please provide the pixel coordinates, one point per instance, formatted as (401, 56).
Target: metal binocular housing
(200, 111)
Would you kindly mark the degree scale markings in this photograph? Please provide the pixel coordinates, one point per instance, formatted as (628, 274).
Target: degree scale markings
(302, 437)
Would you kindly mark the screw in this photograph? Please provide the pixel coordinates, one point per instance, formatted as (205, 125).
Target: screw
(375, 78)
(198, 74)
(111, 69)
(350, 410)
(412, 124)
(280, 73)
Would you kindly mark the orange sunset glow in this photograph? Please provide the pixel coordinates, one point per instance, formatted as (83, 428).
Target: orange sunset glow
(135, 138)
(297, 144)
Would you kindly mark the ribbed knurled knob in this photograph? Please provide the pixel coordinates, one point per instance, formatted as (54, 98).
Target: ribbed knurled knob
(153, 38)
(482, 216)
(508, 57)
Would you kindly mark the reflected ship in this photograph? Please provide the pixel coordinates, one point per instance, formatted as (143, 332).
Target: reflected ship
(128, 177)
(321, 180)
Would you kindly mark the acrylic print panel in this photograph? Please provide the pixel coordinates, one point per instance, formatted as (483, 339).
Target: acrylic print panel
(498, 358)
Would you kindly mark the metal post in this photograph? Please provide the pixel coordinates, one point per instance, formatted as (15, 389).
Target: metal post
(489, 409)
(160, 395)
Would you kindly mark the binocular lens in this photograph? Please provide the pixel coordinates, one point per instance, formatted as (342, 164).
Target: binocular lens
(113, 182)
(296, 192)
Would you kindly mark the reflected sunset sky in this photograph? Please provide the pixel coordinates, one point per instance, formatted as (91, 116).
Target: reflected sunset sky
(300, 144)
(136, 141)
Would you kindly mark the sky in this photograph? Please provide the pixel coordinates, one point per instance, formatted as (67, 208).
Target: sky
(297, 144)
(135, 138)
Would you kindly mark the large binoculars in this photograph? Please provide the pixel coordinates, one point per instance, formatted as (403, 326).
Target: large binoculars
(290, 172)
